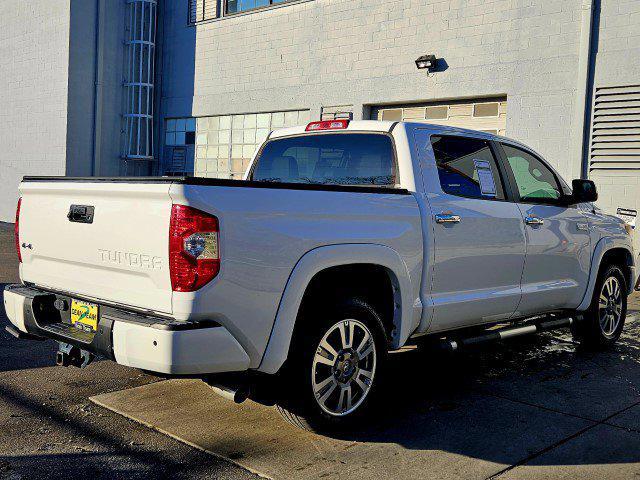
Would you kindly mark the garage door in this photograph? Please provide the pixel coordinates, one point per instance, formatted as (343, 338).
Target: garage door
(487, 115)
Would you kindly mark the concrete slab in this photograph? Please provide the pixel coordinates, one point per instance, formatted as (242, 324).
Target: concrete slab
(601, 452)
(469, 436)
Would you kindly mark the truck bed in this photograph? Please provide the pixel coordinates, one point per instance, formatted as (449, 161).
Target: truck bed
(121, 258)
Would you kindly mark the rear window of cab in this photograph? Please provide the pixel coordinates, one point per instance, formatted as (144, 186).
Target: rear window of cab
(328, 159)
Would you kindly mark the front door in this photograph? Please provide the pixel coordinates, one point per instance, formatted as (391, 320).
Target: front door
(478, 235)
(557, 263)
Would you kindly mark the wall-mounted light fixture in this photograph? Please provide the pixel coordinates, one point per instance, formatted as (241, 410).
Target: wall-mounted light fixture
(427, 62)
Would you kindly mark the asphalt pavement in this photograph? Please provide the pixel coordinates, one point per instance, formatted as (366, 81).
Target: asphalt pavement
(50, 429)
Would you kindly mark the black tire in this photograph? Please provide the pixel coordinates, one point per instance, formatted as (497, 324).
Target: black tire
(300, 406)
(598, 330)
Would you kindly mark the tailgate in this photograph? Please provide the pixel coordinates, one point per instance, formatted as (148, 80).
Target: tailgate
(120, 257)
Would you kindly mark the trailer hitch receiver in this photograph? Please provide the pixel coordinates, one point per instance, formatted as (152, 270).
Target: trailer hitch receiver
(70, 355)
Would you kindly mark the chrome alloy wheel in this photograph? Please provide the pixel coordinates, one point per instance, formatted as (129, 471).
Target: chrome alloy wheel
(344, 366)
(610, 306)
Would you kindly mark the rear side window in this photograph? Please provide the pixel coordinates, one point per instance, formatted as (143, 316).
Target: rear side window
(467, 167)
(328, 159)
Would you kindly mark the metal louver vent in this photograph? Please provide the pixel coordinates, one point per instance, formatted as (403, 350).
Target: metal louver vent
(615, 136)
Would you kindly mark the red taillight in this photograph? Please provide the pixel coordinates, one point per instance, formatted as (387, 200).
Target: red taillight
(327, 125)
(16, 230)
(194, 258)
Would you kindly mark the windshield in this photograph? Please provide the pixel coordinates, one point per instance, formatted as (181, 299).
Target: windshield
(336, 159)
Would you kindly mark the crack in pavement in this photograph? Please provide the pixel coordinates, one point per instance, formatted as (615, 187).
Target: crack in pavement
(537, 454)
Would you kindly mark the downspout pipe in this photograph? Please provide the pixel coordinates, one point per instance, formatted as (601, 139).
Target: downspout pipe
(582, 108)
(98, 87)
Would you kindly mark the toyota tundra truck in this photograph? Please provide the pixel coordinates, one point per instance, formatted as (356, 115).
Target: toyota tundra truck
(344, 241)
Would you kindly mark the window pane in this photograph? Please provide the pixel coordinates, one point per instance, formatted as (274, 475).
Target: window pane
(437, 113)
(485, 110)
(237, 136)
(250, 136)
(392, 115)
(250, 121)
(535, 181)
(467, 167)
(290, 119)
(237, 121)
(277, 120)
(262, 134)
(224, 136)
(232, 6)
(342, 159)
(203, 124)
(263, 120)
(225, 123)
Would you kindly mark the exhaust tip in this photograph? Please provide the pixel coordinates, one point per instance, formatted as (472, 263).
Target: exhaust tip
(242, 394)
(236, 394)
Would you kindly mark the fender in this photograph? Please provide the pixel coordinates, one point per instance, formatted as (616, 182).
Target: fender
(603, 246)
(320, 259)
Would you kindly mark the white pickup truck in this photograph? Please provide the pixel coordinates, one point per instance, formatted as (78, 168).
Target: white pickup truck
(347, 239)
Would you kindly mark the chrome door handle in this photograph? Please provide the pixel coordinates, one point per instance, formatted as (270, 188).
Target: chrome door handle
(447, 218)
(531, 220)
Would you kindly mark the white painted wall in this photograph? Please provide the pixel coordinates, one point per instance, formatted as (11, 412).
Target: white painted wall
(341, 52)
(34, 59)
(618, 64)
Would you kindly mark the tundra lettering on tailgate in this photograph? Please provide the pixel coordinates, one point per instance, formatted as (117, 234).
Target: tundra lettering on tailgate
(130, 259)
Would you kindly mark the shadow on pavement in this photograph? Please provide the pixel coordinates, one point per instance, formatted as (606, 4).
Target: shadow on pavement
(467, 415)
(23, 354)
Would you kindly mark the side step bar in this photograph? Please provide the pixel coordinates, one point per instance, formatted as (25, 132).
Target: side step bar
(509, 332)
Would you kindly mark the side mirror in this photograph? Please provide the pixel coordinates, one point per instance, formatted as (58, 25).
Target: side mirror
(583, 191)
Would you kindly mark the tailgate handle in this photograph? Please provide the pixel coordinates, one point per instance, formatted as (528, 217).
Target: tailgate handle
(80, 213)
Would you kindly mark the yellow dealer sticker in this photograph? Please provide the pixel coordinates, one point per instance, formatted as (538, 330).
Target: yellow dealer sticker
(84, 315)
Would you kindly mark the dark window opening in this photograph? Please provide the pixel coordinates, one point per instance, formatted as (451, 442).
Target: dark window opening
(328, 159)
(467, 167)
(237, 6)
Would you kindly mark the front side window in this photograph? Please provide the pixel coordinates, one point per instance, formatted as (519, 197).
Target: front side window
(328, 159)
(467, 167)
(534, 180)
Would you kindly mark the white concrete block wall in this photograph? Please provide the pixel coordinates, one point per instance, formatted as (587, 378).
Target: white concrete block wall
(618, 64)
(34, 48)
(333, 52)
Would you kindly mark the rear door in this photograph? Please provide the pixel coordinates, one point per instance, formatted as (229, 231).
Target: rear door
(558, 255)
(113, 247)
(479, 242)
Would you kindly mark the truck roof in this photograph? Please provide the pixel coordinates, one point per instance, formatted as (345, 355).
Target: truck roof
(384, 126)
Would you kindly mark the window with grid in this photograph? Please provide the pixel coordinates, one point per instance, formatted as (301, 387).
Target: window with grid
(201, 10)
(225, 144)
